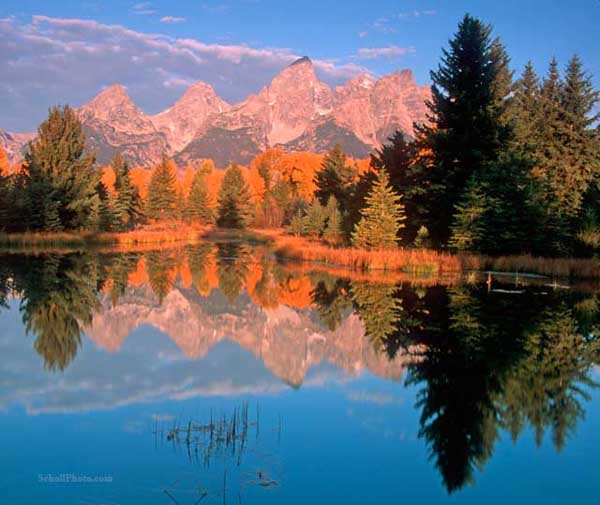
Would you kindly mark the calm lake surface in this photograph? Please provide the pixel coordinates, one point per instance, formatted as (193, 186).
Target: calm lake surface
(213, 374)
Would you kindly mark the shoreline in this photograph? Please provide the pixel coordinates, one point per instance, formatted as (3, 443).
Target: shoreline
(376, 263)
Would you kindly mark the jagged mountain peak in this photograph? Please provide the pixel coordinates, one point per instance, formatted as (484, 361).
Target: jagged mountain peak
(181, 122)
(114, 93)
(403, 77)
(305, 60)
(112, 103)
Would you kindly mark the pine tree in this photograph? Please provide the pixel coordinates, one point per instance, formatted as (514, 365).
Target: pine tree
(468, 117)
(566, 158)
(400, 159)
(468, 227)
(314, 219)
(107, 215)
(61, 178)
(335, 178)
(334, 230)
(382, 217)
(128, 204)
(496, 214)
(162, 195)
(235, 208)
(525, 111)
(296, 226)
(198, 205)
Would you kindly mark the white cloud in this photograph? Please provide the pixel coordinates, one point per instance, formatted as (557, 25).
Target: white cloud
(388, 52)
(172, 19)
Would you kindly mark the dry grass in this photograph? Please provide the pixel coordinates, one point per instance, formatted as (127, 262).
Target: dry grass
(567, 268)
(420, 262)
(162, 233)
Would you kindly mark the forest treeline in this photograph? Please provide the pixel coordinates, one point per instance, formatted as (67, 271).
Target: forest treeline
(504, 165)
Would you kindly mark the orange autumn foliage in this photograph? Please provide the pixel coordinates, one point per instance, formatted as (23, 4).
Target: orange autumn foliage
(4, 163)
(141, 178)
(109, 178)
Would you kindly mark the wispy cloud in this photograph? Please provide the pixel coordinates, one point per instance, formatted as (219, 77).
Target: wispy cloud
(143, 8)
(172, 20)
(383, 25)
(417, 13)
(388, 52)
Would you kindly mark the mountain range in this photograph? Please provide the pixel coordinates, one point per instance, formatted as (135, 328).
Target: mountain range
(295, 111)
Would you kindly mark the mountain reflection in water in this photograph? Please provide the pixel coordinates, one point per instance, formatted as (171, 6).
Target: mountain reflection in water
(483, 358)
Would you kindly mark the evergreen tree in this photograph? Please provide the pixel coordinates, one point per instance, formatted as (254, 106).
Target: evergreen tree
(468, 228)
(235, 210)
(61, 178)
(296, 226)
(198, 205)
(162, 191)
(399, 158)
(567, 160)
(314, 219)
(495, 214)
(128, 205)
(335, 178)
(525, 111)
(108, 216)
(333, 231)
(382, 217)
(468, 117)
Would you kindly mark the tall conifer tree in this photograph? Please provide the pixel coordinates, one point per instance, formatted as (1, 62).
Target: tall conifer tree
(61, 177)
(382, 217)
(467, 112)
(335, 178)
(199, 208)
(235, 207)
(162, 196)
(128, 205)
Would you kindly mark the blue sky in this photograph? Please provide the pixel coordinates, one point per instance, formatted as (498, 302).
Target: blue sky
(67, 51)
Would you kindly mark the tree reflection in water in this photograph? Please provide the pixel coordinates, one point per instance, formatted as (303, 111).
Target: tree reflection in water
(485, 360)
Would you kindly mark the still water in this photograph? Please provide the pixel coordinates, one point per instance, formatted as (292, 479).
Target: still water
(213, 374)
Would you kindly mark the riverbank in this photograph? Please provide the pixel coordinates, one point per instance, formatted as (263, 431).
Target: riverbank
(423, 262)
(410, 262)
(144, 237)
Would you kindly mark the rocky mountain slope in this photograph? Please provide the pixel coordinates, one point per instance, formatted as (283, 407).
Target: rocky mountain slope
(14, 144)
(295, 111)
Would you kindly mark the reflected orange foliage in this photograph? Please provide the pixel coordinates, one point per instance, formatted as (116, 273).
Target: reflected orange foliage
(139, 276)
(185, 273)
(296, 292)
